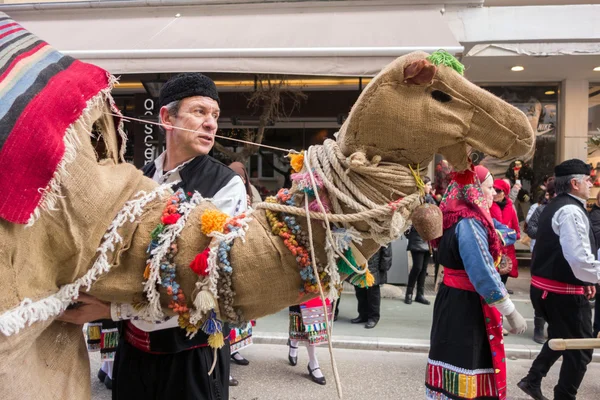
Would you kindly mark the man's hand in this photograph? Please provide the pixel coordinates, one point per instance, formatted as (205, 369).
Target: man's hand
(590, 291)
(87, 309)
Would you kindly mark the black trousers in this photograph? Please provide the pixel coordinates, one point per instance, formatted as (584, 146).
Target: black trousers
(369, 302)
(597, 312)
(419, 269)
(182, 376)
(568, 317)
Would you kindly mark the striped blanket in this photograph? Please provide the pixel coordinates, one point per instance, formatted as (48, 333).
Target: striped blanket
(42, 94)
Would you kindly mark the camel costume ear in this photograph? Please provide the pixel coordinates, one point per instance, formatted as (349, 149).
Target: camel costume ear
(420, 105)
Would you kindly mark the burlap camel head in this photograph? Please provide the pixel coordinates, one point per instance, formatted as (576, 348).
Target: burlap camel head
(90, 230)
(414, 109)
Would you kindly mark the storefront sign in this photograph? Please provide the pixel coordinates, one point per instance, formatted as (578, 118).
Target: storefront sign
(148, 139)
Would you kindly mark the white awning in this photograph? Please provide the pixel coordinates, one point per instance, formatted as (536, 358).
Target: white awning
(286, 39)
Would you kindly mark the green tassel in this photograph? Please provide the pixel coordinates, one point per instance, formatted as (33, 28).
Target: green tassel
(442, 57)
(363, 281)
(157, 231)
(343, 267)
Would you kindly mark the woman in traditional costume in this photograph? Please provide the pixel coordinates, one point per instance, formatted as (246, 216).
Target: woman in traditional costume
(308, 323)
(466, 358)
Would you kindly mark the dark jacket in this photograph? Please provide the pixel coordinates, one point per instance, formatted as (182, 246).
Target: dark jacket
(595, 222)
(548, 260)
(380, 264)
(532, 224)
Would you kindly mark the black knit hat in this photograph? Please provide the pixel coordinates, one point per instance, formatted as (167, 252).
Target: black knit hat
(572, 167)
(188, 84)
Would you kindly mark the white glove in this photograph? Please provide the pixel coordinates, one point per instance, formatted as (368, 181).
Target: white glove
(517, 323)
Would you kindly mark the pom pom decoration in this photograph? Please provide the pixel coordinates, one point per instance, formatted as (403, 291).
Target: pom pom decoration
(213, 221)
(216, 340)
(170, 219)
(200, 263)
(297, 161)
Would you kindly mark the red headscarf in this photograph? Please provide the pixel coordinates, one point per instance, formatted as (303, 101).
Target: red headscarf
(464, 199)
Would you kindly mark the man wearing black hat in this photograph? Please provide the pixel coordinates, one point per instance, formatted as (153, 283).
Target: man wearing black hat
(157, 360)
(563, 273)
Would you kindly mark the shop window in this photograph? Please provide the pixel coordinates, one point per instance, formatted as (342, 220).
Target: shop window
(594, 136)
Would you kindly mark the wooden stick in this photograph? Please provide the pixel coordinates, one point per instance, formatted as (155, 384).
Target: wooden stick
(574, 344)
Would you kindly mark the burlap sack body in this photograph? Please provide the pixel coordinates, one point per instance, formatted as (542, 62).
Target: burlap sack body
(48, 360)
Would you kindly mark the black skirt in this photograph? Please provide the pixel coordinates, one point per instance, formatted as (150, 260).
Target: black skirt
(181, 376)
(460, 354)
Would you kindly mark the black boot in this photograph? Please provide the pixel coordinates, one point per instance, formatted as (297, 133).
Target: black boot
(420, 297)
(538, 330)
(533, 391)
(408, 297)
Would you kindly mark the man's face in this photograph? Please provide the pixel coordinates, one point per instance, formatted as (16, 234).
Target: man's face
(581, 188)
(193, 129)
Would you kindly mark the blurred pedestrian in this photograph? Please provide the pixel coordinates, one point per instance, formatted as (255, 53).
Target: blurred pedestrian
(503, 211)
(369, 299)
(420, 252)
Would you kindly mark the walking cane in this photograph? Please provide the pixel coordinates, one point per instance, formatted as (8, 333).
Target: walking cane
(573, 344)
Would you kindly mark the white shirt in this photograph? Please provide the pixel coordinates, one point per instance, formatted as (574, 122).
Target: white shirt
(572, 226)
(230, 199)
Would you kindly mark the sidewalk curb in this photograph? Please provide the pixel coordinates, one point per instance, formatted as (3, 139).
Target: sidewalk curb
(513, 352)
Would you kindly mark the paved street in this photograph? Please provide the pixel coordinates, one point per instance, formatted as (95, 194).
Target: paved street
(376, 375)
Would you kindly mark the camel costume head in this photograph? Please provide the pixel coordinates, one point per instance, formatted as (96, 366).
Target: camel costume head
(70, 221)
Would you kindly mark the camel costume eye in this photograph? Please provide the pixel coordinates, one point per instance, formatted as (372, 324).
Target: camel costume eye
(441, 96)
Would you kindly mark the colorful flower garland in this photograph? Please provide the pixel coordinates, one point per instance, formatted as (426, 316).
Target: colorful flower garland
(286, 227)
(171, 214)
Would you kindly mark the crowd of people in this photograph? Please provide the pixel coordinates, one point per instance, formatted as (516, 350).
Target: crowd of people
(472, 307)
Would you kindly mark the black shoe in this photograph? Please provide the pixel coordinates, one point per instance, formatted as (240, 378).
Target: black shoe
(233, 382)
(243, 361)
(358, 320)
(101, 375)
(532, 391)
(335, 317)
(108, 382)
(321, 380)
(538, 330)
(421, 299)
(370, 324)
(510, 291)
(408, 297)
(293, 360)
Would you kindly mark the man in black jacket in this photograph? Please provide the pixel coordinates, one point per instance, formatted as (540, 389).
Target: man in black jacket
(157, 360)
(369, 299)
(564, 271)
